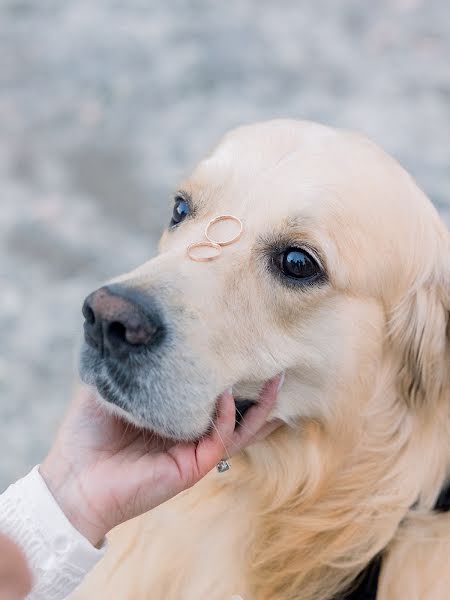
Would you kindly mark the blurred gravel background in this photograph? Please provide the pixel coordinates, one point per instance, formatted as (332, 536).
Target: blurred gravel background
(103, 105)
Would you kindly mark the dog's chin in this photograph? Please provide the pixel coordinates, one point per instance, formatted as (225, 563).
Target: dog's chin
(151, 394)
(153, 400)
(241, 406)
(113, 407)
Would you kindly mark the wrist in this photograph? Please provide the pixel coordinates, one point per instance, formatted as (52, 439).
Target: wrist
(66, 489)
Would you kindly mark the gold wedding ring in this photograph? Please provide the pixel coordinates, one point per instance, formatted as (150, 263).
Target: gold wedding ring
(209, 244)
(224, 218)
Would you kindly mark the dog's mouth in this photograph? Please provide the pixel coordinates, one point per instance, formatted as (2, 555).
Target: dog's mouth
(242, 405)
(127, 391)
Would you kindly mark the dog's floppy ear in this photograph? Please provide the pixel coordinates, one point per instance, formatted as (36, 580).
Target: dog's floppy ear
(419, 329)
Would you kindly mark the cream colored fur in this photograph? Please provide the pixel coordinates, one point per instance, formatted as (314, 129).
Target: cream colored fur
(365, 448)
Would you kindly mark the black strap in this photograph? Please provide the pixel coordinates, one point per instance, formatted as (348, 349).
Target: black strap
(443, 501)
(365, 586)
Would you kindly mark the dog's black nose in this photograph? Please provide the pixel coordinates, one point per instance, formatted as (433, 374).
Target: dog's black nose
(120, 320)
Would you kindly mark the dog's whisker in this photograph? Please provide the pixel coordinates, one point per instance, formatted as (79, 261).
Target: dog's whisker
(242, 423)
(218, 432)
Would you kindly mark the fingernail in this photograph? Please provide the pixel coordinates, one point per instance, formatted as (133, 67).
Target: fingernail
(280, 383)
(229, 391)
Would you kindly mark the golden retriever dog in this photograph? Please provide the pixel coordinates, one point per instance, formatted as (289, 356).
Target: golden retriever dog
(341, 279)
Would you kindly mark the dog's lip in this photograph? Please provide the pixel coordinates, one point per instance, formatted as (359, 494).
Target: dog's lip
(241, 407)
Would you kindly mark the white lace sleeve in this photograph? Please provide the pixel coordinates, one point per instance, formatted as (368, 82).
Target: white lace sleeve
(57, 554)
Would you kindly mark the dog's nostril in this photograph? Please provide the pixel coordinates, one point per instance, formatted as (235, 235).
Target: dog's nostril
(117, 332)
(131, 333)
(88, 314)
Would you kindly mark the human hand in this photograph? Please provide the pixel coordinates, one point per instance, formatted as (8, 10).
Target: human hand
(103, 471)
(15, 578)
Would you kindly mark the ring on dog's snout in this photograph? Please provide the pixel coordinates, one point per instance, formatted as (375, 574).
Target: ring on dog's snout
(199, 258)
(223, 465)
(224, 218)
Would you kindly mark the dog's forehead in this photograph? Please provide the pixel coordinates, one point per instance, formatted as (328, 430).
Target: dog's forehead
(286, 168)
(253, 149)
(296, 166)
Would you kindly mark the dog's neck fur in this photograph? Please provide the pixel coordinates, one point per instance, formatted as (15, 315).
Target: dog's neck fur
(332, 505)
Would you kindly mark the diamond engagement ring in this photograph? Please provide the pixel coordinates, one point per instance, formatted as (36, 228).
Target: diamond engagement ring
(223, 465)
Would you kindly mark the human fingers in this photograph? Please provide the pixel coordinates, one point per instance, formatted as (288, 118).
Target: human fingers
(214, 447)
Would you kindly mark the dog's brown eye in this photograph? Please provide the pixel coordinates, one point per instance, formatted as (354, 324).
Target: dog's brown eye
(298, 264)
(180, 210)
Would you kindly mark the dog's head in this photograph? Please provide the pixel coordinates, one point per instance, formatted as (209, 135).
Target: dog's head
(342, 261)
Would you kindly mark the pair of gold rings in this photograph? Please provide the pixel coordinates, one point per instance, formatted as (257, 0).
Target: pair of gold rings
(214, 244)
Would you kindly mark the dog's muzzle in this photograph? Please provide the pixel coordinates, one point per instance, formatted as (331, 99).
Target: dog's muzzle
(128, 346)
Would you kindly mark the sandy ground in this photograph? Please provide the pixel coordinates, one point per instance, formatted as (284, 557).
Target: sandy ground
(103, 105)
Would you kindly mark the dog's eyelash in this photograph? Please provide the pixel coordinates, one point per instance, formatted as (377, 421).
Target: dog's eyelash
(183, 196)
(276, 245)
